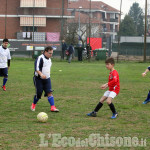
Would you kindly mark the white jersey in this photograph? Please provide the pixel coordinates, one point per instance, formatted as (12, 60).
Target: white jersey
(4, 56)
(43, 64)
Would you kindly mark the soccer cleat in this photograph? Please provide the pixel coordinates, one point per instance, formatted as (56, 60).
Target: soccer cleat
(54, 109)
(33, 107)
(114, 116)
(4, 87)
(92, 114)
(146, 101)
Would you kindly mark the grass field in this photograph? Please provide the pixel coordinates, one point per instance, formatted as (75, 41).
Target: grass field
(76, 93)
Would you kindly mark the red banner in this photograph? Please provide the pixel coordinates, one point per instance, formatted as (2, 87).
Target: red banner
(95, 43)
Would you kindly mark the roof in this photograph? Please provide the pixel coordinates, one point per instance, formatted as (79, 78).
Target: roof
(95, 5)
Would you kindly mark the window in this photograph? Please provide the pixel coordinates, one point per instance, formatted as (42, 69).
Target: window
(29, 29)
(112, 16)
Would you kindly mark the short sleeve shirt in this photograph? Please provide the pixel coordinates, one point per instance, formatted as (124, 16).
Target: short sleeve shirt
(4, 57)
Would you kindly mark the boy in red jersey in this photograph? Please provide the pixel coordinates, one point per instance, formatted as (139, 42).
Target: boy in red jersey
(114, 88)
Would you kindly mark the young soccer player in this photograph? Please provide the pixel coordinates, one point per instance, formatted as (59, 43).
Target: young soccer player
(42, 79)
(148, 96)
(114, 88)
(4, 62)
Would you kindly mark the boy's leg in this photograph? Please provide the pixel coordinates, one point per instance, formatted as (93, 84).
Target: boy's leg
(35, 100)
(4, 80)
(48, 92)
(100, 104)
(5, 73)
(147, 99)
(51, 101)
(112, 107)
(39, 90)
(4, 83)
(97, 108)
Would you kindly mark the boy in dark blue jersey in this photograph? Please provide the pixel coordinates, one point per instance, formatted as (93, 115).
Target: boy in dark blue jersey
(148, 96)
(42, 79)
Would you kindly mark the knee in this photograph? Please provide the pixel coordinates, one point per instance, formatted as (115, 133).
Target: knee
(108, 102)
(49, 94)
(39, 95)
(102, 101)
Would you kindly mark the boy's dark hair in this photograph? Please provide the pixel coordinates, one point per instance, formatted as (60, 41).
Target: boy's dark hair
(110, 60)
(48, 48)
(5, 40)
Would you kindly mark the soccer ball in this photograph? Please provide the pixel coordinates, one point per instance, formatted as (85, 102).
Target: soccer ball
(42, 117)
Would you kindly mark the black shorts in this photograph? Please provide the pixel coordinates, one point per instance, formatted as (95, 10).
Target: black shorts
(42, 85)
(4, 72)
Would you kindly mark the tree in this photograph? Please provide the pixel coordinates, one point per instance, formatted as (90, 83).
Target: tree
(127, 27)
(136, 14)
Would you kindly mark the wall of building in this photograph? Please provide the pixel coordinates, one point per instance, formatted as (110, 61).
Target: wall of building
(13, 23)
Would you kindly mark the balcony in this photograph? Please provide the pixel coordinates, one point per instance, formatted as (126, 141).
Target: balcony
(39, 36)
(31, 3)
(113, 20)
(109, 20)
(29, 21)
(42, 12)
(109, 30)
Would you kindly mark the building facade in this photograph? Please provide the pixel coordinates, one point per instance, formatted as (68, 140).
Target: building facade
(25, 19)
(100, 17)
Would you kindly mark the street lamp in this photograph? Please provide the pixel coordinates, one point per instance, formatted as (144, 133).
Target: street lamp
(33, 18)
(80, 7)
(144, 57)
(89, 50)
(6, 19)
(119, 32)
(33, 28)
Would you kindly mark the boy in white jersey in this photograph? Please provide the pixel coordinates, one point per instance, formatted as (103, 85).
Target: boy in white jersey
(4, 62)
(42, 80)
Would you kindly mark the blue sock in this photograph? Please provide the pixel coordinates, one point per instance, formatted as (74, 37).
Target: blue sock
(148, 96)
(4, 81)
(51, 100)
(35, 99)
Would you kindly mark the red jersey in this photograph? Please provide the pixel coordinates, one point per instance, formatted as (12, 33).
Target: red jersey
(113, 82)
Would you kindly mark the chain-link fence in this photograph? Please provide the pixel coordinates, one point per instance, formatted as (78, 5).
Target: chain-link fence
(76, 22)
(131, 48)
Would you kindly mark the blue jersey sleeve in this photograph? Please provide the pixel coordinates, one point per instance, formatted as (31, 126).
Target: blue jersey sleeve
(39, 64)
(148, 68)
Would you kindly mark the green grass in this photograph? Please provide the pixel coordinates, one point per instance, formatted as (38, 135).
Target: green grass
(76, 93)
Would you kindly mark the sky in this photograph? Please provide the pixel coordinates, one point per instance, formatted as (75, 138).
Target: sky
(126, 4)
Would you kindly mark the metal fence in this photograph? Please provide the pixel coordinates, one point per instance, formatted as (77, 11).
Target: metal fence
(131, 51)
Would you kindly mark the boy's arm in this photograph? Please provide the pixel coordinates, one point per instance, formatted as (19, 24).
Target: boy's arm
(104, 86)
(41, 74)
(147, 70)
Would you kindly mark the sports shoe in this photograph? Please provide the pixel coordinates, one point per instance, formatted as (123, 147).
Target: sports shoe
(146, 101)
(4, 87)
(114, 116)
(92, 114)
(54, 109)
(33, 107)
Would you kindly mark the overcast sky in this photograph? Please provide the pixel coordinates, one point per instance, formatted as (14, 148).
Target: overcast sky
(126, 4)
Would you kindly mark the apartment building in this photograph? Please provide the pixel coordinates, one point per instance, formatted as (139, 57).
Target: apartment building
(28, 19)
(104, 19)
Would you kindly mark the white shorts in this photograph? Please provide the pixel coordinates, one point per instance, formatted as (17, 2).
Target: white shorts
(110, 94)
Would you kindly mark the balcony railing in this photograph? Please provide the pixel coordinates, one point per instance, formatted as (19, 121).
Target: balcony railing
(39, 36)
(113, 20)
(43, 11)
(110, 20)
(109, 30)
